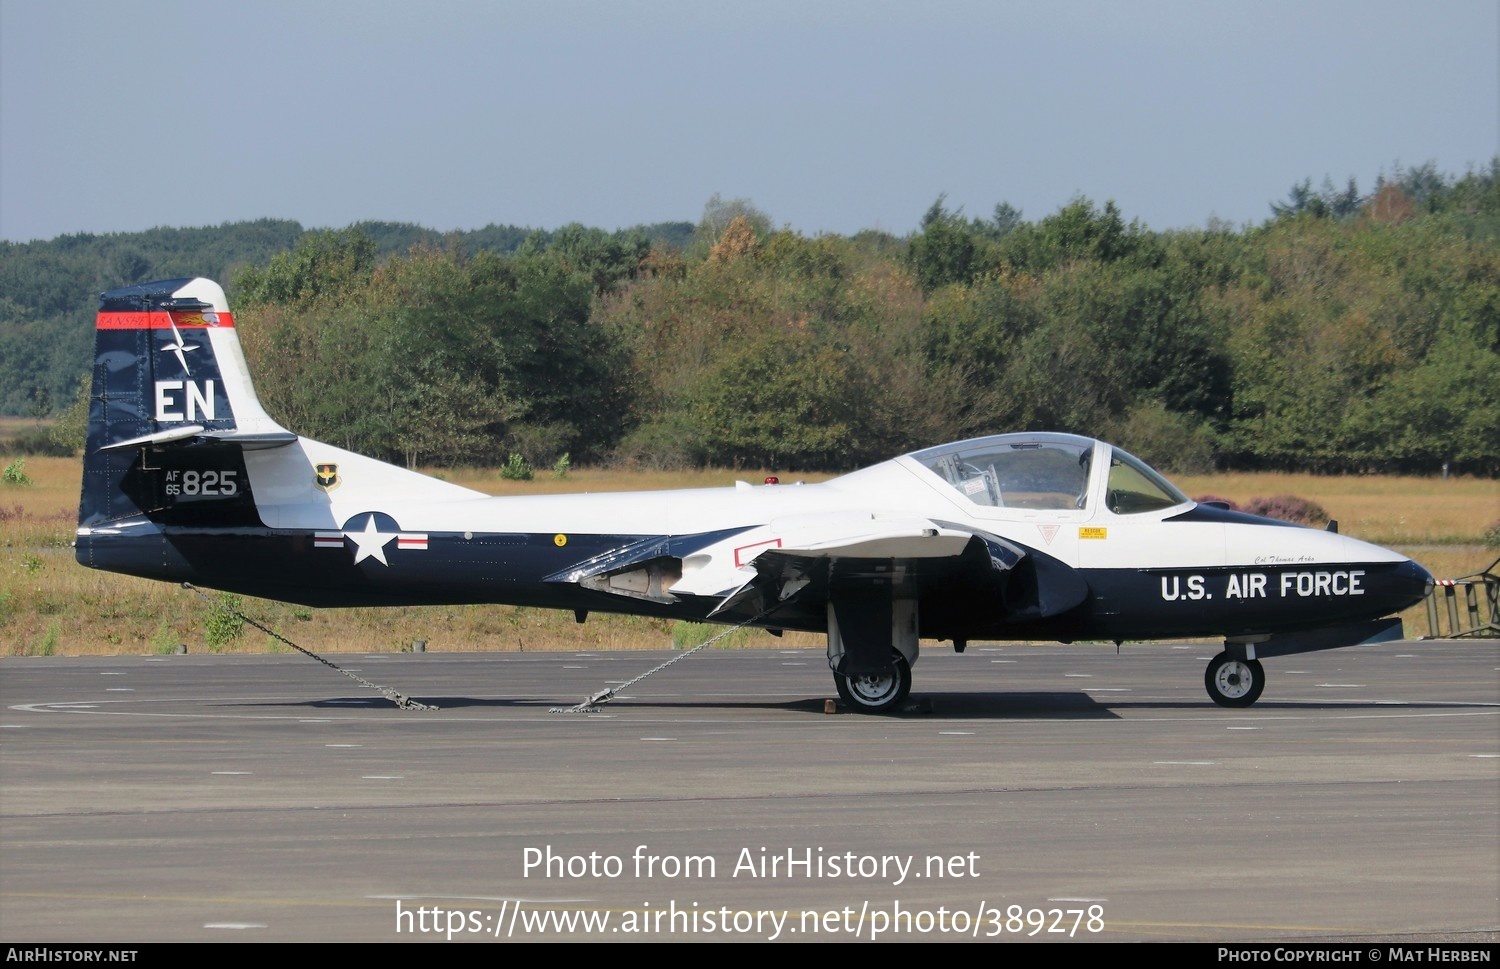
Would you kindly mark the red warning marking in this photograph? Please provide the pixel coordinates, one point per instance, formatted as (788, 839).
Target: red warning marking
(740, 559)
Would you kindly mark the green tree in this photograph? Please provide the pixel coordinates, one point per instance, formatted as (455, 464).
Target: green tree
(946, 251)
(787, 401)
(1078, 232)
(322, 265)
(441, 358)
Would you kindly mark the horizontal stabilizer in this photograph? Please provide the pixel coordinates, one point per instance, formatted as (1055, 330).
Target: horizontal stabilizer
(252, 440)
(176, 435)
(197, 434)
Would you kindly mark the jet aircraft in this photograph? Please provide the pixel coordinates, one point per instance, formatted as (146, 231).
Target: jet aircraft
(1031, 536)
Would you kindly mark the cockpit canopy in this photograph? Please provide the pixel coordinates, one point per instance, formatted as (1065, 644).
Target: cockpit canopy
(1049, 471)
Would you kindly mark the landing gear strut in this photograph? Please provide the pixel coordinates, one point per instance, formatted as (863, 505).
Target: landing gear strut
(1234, 682)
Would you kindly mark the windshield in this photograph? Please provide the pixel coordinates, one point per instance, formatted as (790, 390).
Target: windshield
(1134, 487)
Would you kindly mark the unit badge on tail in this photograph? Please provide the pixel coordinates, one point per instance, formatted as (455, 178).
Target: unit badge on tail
(327, 477)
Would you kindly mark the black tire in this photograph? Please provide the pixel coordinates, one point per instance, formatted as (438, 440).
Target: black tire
(1234, 682)
(876, 692)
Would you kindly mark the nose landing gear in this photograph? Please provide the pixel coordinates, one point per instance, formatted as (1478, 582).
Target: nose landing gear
(1234, 682)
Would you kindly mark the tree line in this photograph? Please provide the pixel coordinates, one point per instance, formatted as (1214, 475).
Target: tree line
(1348, 332)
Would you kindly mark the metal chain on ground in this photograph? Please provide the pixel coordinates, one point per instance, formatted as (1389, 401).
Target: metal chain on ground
(400, 699)
(591, 705)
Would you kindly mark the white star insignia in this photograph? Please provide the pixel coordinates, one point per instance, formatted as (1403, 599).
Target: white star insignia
(370, 543)
(178, 346)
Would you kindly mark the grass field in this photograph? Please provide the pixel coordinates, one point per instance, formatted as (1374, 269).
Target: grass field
(12, 426)
(49, 605)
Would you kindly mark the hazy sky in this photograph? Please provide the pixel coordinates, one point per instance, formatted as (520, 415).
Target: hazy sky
(829, 116)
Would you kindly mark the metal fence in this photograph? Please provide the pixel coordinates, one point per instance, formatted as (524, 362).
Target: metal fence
(1471, 606)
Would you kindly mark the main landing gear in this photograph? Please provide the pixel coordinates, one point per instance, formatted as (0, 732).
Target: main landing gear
(872, 642)
(1233, 681)
(876, 692)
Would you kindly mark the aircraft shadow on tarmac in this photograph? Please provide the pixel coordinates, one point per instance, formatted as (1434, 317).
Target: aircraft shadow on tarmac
(958, 705)
(1037, 705)
(1010, 705)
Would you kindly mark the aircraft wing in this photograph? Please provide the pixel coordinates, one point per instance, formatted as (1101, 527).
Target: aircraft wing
(724, 568)
(798, 566)
(789, 570)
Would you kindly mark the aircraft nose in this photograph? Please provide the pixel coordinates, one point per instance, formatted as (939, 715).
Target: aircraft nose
(1413, 582)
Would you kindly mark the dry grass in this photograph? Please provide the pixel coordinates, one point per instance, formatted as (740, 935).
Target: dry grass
(12, 426)
(1383, 510)
(49, 604)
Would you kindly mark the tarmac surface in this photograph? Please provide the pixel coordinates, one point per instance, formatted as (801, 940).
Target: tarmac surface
(1066, 793)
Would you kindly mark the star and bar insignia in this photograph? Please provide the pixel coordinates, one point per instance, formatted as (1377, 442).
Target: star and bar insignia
(370, 541)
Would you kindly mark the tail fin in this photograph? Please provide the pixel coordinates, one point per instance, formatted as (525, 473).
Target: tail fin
(168, 370)
(169, 367)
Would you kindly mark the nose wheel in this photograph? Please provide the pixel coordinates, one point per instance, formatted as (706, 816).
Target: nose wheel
(1234, 682)
(876, 692)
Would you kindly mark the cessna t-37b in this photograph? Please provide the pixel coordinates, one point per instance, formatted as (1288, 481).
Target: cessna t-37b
(1018, 536)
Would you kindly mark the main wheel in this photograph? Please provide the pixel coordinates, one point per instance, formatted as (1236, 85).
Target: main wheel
(1234, 682)
(876, 692)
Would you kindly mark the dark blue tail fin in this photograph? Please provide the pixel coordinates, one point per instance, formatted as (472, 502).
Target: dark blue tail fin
(169, 381)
